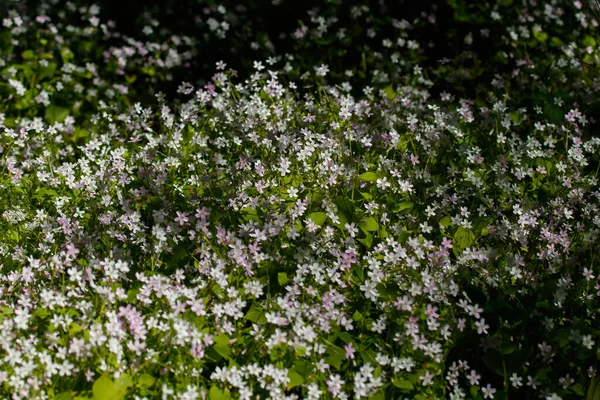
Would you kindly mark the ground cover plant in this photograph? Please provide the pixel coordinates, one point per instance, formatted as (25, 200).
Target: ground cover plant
(375, 202)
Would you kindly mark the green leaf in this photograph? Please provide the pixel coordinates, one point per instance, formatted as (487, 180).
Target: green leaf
(221, 346)
(56, 113)
(146, 380)
(295, 379)
(446, 221)
(41, 313)
(106, 389)
(367, 241)
(366, 196)
(282, 278)
(474, 390)
(369, 357)
(369, 225)
(508, 348)
(540, 36)
(124, 381)
(404, 384)
(578, 389)
(493, 360)
(74, 328)
(463, 238)
(378, 395)
(405, 205)
(593, 392)
(589, 41)
(318, 217)
(45, 192)
(68, 395)
(368, 176)
(346, 337)
(556, 42)
(66, 54)
(336, 356)
(390, 93)
(187, 134)
(217, 394)
(28, 54)
(254, 314)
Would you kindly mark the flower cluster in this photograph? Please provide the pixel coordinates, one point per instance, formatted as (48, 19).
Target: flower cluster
(285, 237)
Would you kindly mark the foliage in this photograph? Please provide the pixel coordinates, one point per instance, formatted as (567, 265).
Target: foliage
(352, 218)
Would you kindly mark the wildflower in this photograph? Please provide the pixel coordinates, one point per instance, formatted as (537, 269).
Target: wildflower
(18, 86)
(334, 384)
(481, 326)
(350, 350)
(532, 382)
(181, 218)
(322, 70)
(427, 378)
(588, 274)
(258, 65)
(516, 380)
(588, 342)
(488, 392)
(447, 243)
(473, 377)
(352, 229)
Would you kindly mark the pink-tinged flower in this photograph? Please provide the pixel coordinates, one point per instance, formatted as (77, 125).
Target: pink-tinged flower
(181, 218)
(334, 385)
(488, 392)
(202, 213)
(482, 326)
(431, 312)
(427, 378)
(42, 19)
(474, 377)
(350, 350)
(300, 32)
(322, 70)
(308, 118)
(447, 243)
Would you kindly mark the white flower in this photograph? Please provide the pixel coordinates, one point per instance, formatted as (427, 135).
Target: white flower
(427, 378)
(481, 326)
(516, 380)
(18, 86)
(588, 342)
(352, 229)
(488, 392)
(382, 183)
(322, 70)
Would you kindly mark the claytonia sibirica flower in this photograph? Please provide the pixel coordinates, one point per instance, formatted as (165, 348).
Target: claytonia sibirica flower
(473, 377)
(488, 391)
(588, 342)
(426, 379)
(516, 381)
(481, 326)
(334, 385)
(322, 70)
(350, 350)
(226, 241)
(382, 183)
(352, 229)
